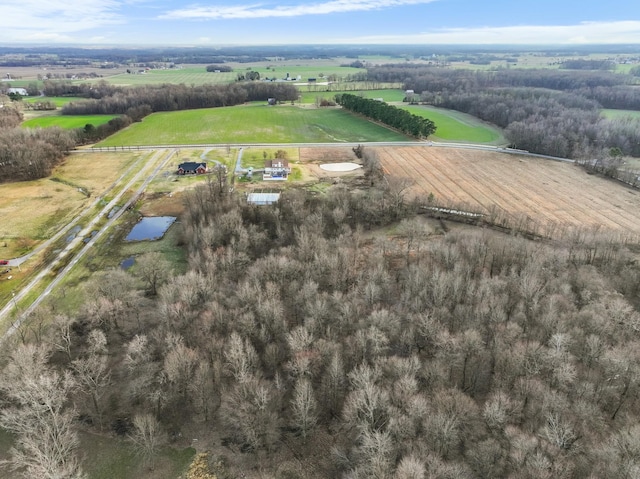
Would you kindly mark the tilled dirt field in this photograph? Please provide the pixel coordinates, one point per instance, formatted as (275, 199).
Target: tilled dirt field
(544, 190)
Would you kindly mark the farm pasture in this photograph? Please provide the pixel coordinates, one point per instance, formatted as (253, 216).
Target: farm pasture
(457, 126)
(552, 195)
(58, 101)
(197, 74)
(66, 121)
(252, 123)
(388, 95)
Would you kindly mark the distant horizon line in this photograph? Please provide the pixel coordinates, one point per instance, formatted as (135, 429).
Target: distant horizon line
(128, 46)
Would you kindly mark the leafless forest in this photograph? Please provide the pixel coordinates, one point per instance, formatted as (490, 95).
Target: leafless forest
(344, 336)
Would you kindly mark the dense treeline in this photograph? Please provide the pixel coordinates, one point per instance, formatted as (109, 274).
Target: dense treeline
(582, 64)
(301, 327)
(390, 115)
(423, 78)
(100, 89)
(27, 154)
(219, 68)
(544, 111)
(144, 100)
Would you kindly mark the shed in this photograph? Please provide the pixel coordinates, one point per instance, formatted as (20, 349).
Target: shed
(263, 198)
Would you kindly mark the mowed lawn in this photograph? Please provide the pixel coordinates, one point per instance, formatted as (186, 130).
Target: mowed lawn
(256, 123)
(67, 121)
(458, 127)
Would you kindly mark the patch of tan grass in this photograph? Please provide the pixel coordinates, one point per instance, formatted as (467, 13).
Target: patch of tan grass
(95, 171)
(32, 211)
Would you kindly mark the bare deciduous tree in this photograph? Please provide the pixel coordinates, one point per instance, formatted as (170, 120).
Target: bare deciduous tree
(410, 467)
(93, 377)
(147, 435)
(153, 269)
(304, 407)
(36, 413)
(241, 358)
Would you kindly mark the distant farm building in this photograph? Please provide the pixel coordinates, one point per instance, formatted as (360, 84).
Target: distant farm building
(17, 91)
(276, 169)
(263, 199)
(192, 168)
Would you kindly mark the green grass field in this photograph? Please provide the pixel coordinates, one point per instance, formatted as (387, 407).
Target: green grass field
(197, 75)
(255, 123)
(390, 95)
(67, 121)
(456, 126)
(59, 101)
(608, 113)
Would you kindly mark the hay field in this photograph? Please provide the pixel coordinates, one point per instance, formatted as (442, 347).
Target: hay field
(545, 191)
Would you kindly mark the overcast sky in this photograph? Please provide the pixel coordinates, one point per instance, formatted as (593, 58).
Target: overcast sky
(256, 22)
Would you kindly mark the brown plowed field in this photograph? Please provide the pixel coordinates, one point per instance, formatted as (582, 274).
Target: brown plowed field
(546, 191)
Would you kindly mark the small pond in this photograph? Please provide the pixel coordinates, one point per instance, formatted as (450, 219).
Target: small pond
(150, 228)
(127, 263)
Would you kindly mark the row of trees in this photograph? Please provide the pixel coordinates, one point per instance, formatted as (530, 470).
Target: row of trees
(469, 354)
(390, 115)
(217, 67)
(422, 78)
(149, 99)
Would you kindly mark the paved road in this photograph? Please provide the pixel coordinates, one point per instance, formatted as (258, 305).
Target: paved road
(425, 143)
(4, 312)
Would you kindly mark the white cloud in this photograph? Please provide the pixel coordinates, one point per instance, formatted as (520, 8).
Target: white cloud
(260, 11)
(621, 32)
(32, 20)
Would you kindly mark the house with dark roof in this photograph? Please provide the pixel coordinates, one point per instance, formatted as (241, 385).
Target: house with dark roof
(192, 168)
